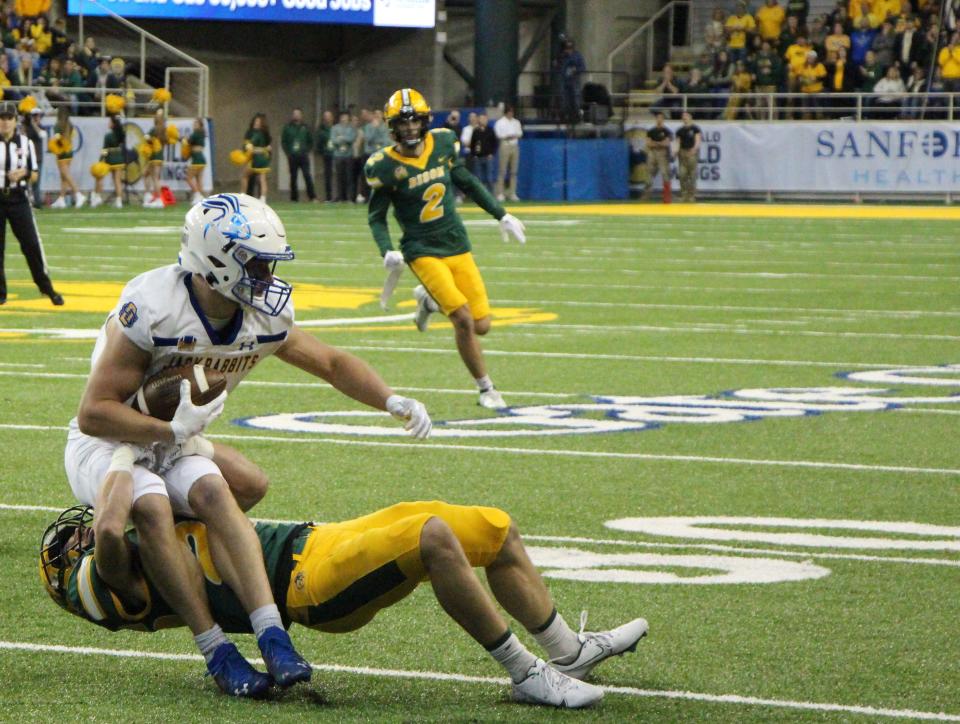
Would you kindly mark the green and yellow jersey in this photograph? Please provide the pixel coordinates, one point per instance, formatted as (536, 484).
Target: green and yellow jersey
(157, 137)
(89, 596)
(113, 150)
(424, 200)
(197, 143)
(258, 141)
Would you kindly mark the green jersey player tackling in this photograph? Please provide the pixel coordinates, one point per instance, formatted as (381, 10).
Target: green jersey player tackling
(415, 175)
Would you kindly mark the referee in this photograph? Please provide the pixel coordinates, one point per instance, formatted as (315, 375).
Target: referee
(18, 169)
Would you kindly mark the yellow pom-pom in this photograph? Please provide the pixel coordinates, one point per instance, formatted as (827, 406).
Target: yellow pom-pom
(156, 145)
(145, 149)
(185, 150)
(99, 169)
(161, 96)
(239, 158)
(173, 135)
(114, 103)
(55, 146)
(27, 104)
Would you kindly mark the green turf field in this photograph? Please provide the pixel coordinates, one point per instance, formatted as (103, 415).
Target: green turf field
(647, 361)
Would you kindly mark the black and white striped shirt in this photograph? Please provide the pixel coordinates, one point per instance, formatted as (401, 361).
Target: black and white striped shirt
(18, 152)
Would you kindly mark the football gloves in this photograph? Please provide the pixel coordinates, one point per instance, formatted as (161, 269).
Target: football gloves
(511, 225)
(418, 422)
(392, 260)
(189, 419)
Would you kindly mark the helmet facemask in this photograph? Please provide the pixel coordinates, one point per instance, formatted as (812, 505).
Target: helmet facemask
(62, 544)
(405, 129)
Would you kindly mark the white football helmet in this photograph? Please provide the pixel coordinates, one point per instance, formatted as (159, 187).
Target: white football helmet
(235, 241)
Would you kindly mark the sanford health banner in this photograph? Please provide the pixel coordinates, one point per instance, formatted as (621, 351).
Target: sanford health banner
(880, 157)
(88, 136)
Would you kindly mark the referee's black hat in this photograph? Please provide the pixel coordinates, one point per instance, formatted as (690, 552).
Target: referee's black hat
(8, 109)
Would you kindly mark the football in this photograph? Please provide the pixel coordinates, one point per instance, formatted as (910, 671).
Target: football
(159, 396)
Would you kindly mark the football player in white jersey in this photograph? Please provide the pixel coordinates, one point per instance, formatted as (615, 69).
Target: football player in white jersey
(221, 307)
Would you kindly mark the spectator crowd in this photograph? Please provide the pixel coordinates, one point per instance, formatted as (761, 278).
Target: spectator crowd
(894, 50)
(37, 52)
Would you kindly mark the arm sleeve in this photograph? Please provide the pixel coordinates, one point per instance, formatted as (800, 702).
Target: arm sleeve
(471, 186)
(377, 219)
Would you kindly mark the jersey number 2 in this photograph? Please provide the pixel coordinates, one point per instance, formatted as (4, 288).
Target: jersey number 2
(434, 198)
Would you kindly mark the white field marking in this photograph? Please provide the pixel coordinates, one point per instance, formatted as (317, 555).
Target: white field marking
(699, 528)
(92, 334)
(493, 223)
(815, 464)
(21, 364)
(502, 681)
(315, 385)
(623, 542)
(354, 320)
(910, 376)
(721, 328)
(907, 313)
(126, 230)
(573, 564)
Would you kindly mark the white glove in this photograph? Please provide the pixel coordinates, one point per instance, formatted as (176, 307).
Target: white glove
(392, 260)
(510, 224)
(189, 419)
(418, 421)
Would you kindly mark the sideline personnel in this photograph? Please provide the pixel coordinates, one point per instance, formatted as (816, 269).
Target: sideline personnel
(18, 169)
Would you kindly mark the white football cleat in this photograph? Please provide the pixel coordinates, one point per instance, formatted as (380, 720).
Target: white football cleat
(79, 200)
(118, 202)
(95, 200)
(598, 647)
(544, 685)
(60, 203)
(425, 307)
(491, 399)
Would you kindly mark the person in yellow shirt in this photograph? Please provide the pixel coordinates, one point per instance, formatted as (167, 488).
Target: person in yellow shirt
(872, 10)
(770, 20)
(742, 83)
(836, 40)
(737, 27)
(883, 9)
(810, 80)
(949, 61)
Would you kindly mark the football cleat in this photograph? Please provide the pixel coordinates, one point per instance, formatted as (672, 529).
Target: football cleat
(234, 674)
(491, 399)
(425, 307)
(283, 662)
(598, 647)
(544, 685)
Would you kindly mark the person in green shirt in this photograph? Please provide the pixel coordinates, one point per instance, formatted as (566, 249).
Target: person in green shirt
(417, 175)
(196, 143)
(325, 150)
(154, 141)
(257, 142)
(297, 141)
(62, 147)
(335, 577)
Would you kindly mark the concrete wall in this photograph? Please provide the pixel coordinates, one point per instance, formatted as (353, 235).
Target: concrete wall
(598, 26)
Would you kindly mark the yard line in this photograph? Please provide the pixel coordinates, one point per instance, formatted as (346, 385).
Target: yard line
(817, 464)
(908, 313)
(931, 411)
(23, 646)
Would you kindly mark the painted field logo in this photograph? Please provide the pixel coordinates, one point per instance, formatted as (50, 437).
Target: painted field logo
(624, 413)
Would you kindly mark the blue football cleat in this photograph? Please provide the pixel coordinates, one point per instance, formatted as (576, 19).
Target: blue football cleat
(285, 665)
(234, 674)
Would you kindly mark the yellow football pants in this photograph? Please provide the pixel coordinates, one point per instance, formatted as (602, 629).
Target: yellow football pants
(348, 571)
(453, 281)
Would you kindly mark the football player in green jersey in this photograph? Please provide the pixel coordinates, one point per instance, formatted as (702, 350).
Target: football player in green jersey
(335, 577)
(415, 175)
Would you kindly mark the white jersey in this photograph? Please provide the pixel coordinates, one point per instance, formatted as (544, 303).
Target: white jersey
(160, 314)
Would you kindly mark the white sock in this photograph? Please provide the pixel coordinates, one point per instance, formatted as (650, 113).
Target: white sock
(512, 655)
(208, 641)
(265, 617)
(558, 639)
(484, 383)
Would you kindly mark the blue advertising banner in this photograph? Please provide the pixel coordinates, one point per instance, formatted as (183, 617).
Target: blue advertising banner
(381, 13)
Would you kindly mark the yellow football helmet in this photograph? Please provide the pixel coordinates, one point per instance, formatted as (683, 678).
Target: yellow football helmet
(61, 546)
(407, 105)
